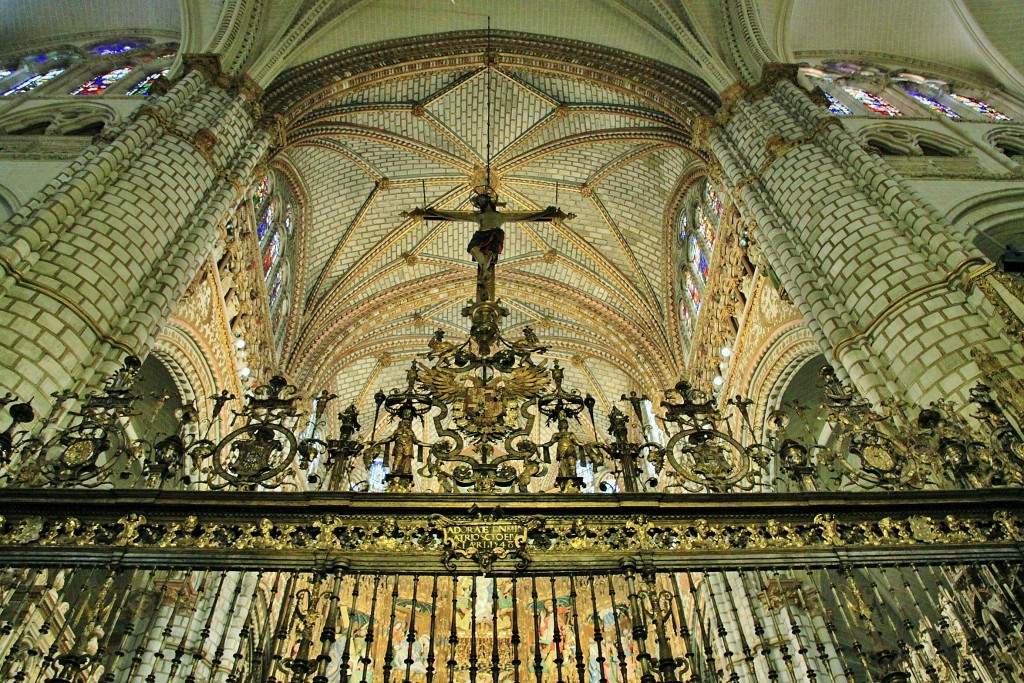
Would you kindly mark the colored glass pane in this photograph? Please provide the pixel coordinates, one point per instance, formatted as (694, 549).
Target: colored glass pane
(49, 57)
(836, 107)
(263, 227)
(872, 101)
(260, 192)
(275, 288)
(691, 289)
(933, 104)
(288, 218)
(843, 67)
(711, 197)
(684, 316)
(375, 481)
(101, 83)
(113, 48)
(143, 87)
(272, 253)
(980, 107)
(683, 223)
(33, 82)
(697, 258)
(4, 73)
(704, 226)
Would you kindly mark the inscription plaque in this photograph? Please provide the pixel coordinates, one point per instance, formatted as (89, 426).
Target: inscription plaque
(485, 541)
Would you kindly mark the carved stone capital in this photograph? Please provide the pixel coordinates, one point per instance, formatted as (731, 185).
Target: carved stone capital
(161, 86)
(817, 96)
(702, 127)
(774, 73)
(275, 126)
(205, 63)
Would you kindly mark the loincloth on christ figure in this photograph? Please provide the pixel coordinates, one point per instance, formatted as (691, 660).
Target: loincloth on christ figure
(488, 242)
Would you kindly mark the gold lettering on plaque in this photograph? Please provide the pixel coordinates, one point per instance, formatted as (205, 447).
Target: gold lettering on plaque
(485, 541)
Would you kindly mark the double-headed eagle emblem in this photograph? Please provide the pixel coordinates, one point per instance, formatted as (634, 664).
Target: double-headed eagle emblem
(486, 408)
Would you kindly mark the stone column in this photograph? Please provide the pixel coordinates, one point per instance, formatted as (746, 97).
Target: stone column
(92, 266)
(877, 274)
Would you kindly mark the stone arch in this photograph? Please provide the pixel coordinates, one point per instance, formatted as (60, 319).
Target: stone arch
(162, 390)
(901, 140)
(1008, 141)
(992, 220)
(8, 204)
(188, 362)
(65, 118)
(773, 366)
(668, 97)
(672, 89)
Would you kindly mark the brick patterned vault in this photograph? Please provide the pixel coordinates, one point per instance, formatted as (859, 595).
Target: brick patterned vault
(599, 290)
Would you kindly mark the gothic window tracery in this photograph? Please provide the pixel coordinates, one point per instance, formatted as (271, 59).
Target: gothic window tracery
(848, 87)
(142, 64)
(933, 103)
(144, 87)
(872, 101)
(980, 107)
(98, 85)
(1008, 141)
(698, 230)
(271, 201)
(34, 81)
(115, 48)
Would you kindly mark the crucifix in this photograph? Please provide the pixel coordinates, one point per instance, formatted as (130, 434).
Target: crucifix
(489, 239)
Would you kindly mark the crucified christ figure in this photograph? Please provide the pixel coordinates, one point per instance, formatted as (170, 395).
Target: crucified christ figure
(489, 239)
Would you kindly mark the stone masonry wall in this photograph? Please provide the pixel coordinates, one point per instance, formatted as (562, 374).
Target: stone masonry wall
(876, 274)
(94, 264)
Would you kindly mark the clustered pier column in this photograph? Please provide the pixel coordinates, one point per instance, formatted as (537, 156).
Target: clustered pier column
(93, 265)
(877, 274)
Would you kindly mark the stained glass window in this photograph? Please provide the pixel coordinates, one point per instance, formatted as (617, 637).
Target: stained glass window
(260, 192)
(691, 289)
(288, 218)
(263, 227)
(33, 82)
(684, 316)
(143, 87)
(114, 48)
(837, 107)
(980, 107)
(375, 478)
(704, 226)
(683, 223)
(842, 67)
(713, 202)
(272, 253)
(872, 101)
(275, 288)
(933, 104)
(697, 258)
(101, 83)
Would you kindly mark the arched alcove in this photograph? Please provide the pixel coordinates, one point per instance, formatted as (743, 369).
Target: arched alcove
(160, 400)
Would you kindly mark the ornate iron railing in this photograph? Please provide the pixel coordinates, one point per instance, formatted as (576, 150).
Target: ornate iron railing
(492, 447)
(798, 623)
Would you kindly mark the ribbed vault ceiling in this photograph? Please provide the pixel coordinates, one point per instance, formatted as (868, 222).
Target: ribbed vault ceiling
(599, 290)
